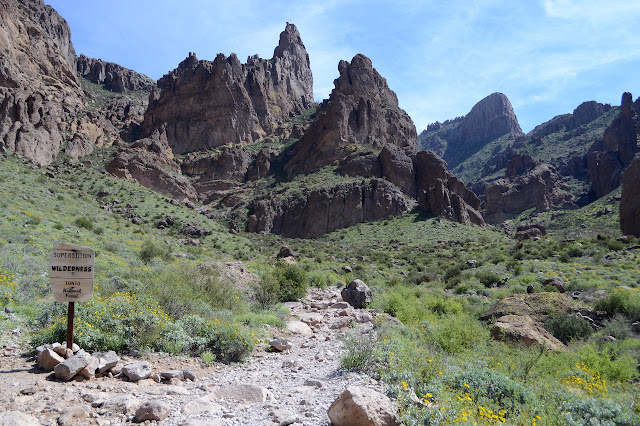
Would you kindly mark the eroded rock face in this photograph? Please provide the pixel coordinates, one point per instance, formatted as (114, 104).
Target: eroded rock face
(114, 77)
(525, 185)
(442, 193)
(149, 162)
(206, 104)
(361, 110)
(455, 140)
(38, 84)
(630, 201)
(607, 159)
(326, 209)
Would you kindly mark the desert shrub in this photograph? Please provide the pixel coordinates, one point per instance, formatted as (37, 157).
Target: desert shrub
(152, 250)
(360, 355)
(597, 412)
(566, 328)
(227, 341)
(414, 304)
(609, 362)
(481, 382)
(455, 333)
(617, 326)
(85, 223)
(488, 278)
(285, 283)
(119, 322)
(623, 302)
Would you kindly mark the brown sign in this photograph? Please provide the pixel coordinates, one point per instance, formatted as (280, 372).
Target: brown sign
(71, 270)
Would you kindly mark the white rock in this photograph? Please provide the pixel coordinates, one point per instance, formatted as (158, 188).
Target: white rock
(244, 392)
(360, 406)
(298, 327)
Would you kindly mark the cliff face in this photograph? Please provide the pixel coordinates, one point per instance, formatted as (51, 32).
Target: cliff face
(361, 110)
(630, 200)
(116, 78)
(207, 104)
(526, 184)
(327, 209)
(458, 139)
(608, 157)
(38, 84)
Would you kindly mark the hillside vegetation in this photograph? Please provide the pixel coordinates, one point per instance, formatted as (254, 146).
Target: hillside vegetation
(153, 292)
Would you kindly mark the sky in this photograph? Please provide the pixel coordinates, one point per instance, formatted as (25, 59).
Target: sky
(441, 58)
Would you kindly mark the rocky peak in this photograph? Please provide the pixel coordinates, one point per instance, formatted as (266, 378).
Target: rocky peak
(206, 104)
(361, 110)
(588, 111)
(492, 117)
(115, 78)
(458, 139)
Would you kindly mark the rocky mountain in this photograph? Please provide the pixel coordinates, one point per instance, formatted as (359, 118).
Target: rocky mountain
(206, 104)
(38, 84)
(458, 139)
(361, 111)
(608, 157)
(115, 78)
(526, 184)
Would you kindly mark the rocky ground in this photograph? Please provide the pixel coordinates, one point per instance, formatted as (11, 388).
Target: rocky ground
(295, 386)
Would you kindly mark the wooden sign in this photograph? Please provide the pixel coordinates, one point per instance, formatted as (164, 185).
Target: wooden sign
(71, 270)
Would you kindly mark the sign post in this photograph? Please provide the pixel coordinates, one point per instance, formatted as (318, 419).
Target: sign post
(71, 270)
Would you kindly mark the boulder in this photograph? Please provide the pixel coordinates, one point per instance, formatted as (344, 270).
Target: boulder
(361, 110)
(48, 359)
(152, 410)
(74, 415)
(298, 327)
(137, 370)
(106, 360)
(630, 200)
(121, 404)
(527, 232)
(16, 418)
(280, 344)
(357, 294)
(359, 406)
(522, 328)
(538, 306)
(71, 366)
(244, 393)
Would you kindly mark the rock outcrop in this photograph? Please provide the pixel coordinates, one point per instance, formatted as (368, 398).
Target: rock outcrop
(326, 209)
(206, 104)
(458, 139)
(526, 184)
(149, 162)
(608, 158)
(440, 192)
(361, 110)
(38, 84)
(630, 201)
(115, 78)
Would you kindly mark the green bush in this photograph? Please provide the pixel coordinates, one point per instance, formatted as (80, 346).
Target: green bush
(152, 250)
(488, 278)
(596, 412)
(620, 301)
(566, 328)
(85, 223)
(480, 382)
(286, 283)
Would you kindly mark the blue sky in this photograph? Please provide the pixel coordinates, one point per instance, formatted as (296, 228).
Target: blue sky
(439, 57)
